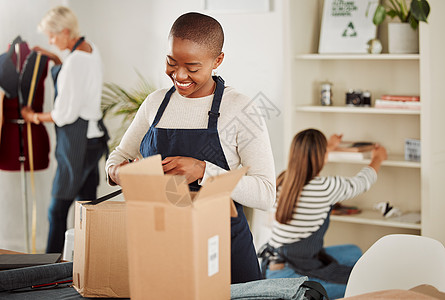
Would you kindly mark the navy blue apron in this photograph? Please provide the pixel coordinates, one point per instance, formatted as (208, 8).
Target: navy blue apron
(77, 156)
(307, 257)
(204, 144)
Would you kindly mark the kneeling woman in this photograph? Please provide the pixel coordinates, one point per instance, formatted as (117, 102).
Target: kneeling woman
(305, 200)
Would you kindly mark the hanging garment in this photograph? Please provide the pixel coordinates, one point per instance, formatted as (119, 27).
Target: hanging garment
(204, 144)
(9, 77)
(14, 134)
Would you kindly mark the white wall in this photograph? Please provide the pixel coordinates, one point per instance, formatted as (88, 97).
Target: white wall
(132, 35)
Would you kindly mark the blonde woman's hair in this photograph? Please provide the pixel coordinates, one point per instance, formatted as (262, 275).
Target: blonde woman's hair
(306, 159)
(58, 19)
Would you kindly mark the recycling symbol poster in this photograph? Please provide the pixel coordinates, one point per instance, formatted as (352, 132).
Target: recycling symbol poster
(346, 26)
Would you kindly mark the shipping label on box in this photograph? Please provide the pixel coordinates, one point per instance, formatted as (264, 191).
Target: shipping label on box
(100, 266)
(178, 242)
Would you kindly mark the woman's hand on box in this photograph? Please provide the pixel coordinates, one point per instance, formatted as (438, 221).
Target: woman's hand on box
(193, 169)
(113, 172)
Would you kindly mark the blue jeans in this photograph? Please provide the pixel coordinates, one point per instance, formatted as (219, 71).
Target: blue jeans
(344, 254)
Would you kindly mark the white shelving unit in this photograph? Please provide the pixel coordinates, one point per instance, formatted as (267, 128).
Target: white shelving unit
(369, 217)
(405, 184)
(383, 56)
(357, 110)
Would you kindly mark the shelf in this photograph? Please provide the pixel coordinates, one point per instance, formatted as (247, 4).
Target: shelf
(384, 56)
(355, 110)
(369, 217)
(393, 160)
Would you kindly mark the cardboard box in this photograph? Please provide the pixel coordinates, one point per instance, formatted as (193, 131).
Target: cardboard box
(100, 266)
(178, 242)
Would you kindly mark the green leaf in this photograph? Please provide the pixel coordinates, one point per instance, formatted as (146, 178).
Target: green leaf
(420, 9)
(392, 13)
(379, 15)
(413, 22)
(118, 101)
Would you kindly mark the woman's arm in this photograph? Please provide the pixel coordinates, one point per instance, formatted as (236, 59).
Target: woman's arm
(349, 187)
(50, 55)
(379, 154)
(29, 115)
(128, 149)
(245, 141)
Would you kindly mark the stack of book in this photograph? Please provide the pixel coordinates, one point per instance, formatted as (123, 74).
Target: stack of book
(352, 151)
(340, 209)
(398, 102)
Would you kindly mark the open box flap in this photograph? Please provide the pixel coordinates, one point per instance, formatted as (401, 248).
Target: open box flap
(148, 166)
(222, 184)
(152, 188)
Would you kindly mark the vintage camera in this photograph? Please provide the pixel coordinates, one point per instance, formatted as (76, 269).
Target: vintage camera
(358, 98)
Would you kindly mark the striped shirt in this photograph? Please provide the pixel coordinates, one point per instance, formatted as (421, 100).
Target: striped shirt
(315, 202)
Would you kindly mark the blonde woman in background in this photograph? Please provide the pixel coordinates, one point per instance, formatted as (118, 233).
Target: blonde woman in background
(81, 138)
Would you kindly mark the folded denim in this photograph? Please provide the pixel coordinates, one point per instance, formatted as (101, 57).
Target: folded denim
(269, 289)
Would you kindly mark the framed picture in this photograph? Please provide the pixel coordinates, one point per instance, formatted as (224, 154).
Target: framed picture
(347, 26)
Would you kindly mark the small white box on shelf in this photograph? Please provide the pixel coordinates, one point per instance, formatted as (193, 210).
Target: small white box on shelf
(412, 149)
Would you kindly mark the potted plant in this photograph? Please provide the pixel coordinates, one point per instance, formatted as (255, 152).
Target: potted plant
(125, 103)
(403, 37)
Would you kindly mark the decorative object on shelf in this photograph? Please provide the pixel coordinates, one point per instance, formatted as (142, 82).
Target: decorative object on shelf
(412, 149)
(326, 93)
(374, 46)
(358, 98)
(388, 210)
(347, 26)
(121, 102)
(403, 37)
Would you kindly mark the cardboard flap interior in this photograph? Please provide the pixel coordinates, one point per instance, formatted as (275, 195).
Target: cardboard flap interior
(222, 184)
(233, 211)
(148, 166)
(152, 188)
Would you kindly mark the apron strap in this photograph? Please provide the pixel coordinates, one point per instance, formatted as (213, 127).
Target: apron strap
(79, 41)
(163, 106)
(56, 69)
(214, 111)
